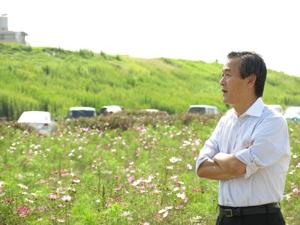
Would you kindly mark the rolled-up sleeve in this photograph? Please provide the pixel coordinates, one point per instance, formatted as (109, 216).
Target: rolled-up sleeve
(210, 148)
(270, 144)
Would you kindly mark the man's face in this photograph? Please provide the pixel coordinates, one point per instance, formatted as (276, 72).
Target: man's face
(234, 88)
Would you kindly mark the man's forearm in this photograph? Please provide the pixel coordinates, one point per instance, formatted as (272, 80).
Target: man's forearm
(211, 170)
(222, 167)
(230, 164)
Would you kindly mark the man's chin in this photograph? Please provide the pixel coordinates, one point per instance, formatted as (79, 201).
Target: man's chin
(225, 101)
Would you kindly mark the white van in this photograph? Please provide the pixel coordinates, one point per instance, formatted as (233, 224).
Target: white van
(109, 109)
(277, 108)
(76, 112)
(292, 113)
(153, 111)
(39, 120)
(203, 109)
(150, 110)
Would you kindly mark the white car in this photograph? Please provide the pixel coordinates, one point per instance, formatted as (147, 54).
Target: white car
(109, 109)
(149, 110)
(39, 120)
(76, 112)
(277, 108)
(153, 112)
(292, 113)
(203, 109)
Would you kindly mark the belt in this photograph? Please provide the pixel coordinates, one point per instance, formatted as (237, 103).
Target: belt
(251, 210)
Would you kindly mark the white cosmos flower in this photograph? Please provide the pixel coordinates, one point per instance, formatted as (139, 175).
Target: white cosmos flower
(126, 213)
(181, 195)
(189, 166)
(174, 160)
(165, 214)
(165, 209)
(22, 186)
(66, 198)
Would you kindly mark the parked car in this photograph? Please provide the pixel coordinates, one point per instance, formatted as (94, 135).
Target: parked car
(109, 109)
(292, 113)
(154, 111)
(149, 110)
(76, 112)
(203, 109)
(39, 120)
(277, 108)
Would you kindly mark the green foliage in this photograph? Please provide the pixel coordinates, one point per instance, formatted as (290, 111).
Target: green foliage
(55, 79)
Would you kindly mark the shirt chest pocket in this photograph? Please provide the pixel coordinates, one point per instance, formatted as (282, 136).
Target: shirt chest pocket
(235, 138)
(242, 142)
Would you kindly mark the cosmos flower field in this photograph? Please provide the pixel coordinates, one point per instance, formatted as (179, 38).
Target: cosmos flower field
(124, 169)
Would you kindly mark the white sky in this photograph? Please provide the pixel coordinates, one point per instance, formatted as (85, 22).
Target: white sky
(189, 29)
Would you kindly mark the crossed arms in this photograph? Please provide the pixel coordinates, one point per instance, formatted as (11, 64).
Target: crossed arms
(270, 146)
(222, 167)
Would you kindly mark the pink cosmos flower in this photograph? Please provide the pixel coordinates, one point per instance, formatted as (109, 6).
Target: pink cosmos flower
(130, 179)
(64, 173)
(196, 190)
(296, 191)
(23, 211)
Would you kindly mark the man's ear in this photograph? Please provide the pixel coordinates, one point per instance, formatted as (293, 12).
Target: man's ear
(251, 80)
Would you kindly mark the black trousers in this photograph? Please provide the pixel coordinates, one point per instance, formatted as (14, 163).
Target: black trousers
(256, 219)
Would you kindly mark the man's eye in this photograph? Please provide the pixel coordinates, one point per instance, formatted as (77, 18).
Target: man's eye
(225, 75)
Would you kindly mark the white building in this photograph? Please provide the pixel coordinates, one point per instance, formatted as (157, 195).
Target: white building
(10, 36)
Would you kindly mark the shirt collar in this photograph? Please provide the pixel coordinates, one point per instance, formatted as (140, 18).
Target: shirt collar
(256, 109)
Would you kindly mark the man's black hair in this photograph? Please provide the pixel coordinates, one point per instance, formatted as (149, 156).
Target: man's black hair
(252, 63)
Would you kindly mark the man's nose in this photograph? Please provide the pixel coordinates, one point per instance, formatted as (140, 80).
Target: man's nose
(221, 82)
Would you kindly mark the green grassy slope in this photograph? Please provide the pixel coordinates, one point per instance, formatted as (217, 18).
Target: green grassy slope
(55, 79)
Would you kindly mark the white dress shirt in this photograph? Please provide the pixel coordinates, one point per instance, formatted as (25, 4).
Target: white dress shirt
(258, 138)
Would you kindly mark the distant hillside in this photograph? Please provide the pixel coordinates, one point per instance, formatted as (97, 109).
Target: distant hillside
(55, 79)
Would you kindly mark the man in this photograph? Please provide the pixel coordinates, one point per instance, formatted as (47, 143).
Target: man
(248, 152)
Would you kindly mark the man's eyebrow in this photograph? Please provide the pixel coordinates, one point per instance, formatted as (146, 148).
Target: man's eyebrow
(226, 70)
